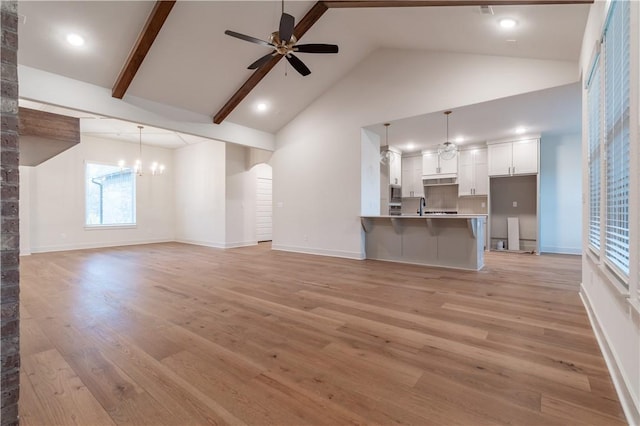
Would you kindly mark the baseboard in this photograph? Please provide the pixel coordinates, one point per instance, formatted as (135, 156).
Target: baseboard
(200, 243)
(241, 244)
(624, 391)
(319, 252)
(85, 246)
(561, 250)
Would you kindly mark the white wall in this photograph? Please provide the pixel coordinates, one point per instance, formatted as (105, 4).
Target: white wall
(370, 179)
(200, 193)
(240, 199)
(26, 188)
(55, 205)
(615, 320)
(560, 194)
(317, 163)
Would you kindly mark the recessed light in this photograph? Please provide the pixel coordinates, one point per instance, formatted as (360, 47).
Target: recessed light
(520, 130)
(459, 139)
(261, 106)
(75, 40)
(410, 146)
(508, 23)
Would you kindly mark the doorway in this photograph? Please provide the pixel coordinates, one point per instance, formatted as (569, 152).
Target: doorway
(264, 209)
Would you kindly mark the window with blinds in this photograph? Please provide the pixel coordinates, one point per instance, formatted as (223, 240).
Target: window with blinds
(110, 195)
(593, 105)
(616, 121)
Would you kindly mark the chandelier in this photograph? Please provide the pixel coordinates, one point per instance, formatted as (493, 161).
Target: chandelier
(448, 149)
(155, 167)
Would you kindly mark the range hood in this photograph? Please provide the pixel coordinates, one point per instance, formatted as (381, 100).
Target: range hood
(438, 180)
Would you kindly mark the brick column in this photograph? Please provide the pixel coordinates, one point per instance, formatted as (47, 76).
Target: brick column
(9, 227)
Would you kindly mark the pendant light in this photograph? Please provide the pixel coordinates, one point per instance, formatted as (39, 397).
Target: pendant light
(386, 156)
(448, 149)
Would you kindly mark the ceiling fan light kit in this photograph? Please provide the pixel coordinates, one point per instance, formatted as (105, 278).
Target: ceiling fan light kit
(283, 42)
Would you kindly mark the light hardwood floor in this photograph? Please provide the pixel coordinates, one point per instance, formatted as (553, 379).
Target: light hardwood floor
(173, 334)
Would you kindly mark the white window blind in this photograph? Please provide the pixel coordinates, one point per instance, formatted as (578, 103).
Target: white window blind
(593, 105)
(616, 68)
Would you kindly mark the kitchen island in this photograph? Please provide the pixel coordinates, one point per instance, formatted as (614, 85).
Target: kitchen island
(452, 241)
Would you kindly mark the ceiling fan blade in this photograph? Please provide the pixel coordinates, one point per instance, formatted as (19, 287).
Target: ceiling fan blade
(316, 48)
(260, 62)
(298, 65)
(248, 38)
(287, 22)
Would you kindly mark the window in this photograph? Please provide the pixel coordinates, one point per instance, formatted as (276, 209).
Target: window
(110, 195)
(593, 105)
(616, 122)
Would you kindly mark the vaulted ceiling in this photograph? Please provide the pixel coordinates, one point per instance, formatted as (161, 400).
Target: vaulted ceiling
(193, 65)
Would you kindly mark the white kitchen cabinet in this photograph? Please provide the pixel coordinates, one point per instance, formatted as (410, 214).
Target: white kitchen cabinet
(513, 158)
(412, 177)
(435, 166)
(395, 169)
(473, 172)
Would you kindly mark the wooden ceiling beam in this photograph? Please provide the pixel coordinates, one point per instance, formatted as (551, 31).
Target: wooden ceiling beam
(352, 4)
(322, 6)
(143, 44)
(303, 26)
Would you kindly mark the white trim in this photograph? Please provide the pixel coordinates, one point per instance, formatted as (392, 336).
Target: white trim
(241, 244)
(561, 250)
(320, 252)
(517, 138)
(607, 275)
(110, 227)
(628, 400)
(200, 243)
(84, 246)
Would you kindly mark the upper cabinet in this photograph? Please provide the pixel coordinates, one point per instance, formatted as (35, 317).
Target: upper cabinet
(412, 177)
(395, 169)
(435, 166)
(513, 158)
(472, 172)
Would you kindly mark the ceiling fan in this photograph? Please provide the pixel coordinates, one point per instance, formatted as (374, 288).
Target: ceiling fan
(283, 43)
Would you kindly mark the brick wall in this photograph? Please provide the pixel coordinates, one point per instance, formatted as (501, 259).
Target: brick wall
(9, 227)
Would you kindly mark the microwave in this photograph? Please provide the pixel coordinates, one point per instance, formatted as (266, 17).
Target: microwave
(395, 194)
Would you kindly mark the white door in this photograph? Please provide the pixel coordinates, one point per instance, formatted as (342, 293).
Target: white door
(481, 173)
(430, 164)
(525, 157)
(465, 173)
(264, 210)
(500, 159)
(449, 166)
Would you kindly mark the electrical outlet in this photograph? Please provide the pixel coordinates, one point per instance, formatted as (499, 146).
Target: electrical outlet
(515, 204)
(483, 205)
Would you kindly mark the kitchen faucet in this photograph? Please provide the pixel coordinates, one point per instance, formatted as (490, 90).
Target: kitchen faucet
(422, 205)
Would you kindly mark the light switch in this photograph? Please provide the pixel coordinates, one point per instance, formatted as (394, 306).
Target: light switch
(483, 205)
(515, 204)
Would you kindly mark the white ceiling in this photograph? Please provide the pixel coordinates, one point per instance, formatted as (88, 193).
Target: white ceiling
(194, 66)
(110, 128)
(547, 111)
